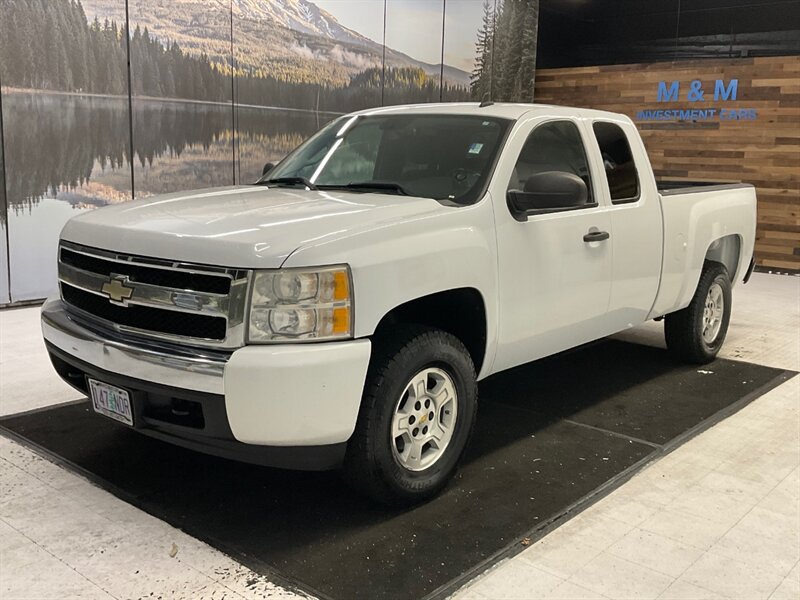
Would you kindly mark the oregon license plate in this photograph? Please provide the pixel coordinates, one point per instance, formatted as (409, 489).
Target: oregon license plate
(111, 401)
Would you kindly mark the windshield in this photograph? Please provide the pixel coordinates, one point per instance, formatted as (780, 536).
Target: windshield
(445, 157)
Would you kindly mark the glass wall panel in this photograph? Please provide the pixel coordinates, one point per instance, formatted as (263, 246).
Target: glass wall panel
(467, 33)
(413, 66)
(298, 65)
(181, 83)
(511, 58)
(65, 120)
(5, 298)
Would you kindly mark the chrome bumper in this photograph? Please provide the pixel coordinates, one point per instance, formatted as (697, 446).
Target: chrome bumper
(203, 373)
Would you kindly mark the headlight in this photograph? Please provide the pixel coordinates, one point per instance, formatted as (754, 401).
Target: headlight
(301, 304)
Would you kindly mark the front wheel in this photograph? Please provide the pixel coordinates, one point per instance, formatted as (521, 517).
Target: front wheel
(416, 416)
(696, 333)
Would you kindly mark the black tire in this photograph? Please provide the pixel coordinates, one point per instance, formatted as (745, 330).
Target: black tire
(370, 465)
(684, 329)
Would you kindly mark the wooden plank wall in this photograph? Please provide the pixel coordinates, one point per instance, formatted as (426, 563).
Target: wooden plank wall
(764, 152)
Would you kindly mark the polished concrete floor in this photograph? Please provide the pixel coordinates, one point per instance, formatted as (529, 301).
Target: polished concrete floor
(717, 518)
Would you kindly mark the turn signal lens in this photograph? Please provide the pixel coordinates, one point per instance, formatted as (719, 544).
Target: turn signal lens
(341, 286)
(341, 320)
(300, 305)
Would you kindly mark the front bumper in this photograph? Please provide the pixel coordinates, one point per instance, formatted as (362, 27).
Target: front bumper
(290, 406)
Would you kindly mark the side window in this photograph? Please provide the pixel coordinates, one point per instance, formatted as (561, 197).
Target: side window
(552, 146)
(623, 180)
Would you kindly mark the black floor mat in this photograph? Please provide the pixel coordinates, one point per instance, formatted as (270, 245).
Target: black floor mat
(550, 436)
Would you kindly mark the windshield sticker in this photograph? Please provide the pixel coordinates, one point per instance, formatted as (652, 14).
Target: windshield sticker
(475, 148)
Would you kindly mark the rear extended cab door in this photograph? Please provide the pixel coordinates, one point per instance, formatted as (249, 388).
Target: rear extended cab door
(554, 286)
(627, 186)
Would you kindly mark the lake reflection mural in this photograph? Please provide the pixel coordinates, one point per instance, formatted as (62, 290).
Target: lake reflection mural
(216, 89)
(74, 153)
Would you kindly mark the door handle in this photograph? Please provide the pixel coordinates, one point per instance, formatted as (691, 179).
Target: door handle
(596, 236)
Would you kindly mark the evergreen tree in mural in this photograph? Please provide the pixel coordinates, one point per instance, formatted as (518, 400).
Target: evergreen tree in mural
(49, 45)
(527, 65)
(480, 80)
(505, 61)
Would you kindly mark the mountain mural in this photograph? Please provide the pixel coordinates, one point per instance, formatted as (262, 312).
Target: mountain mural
(298, 15)
(291, 40)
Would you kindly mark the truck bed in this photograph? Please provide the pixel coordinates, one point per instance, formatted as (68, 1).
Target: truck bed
(673, 188)
(696, 215)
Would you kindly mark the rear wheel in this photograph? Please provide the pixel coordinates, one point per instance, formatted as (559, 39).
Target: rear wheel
(416, 416)
(696, 333)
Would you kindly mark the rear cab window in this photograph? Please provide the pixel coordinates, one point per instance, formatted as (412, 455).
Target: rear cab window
(620, 168)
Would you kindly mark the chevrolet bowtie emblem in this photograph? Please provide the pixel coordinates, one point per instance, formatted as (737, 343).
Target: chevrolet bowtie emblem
(116, 290)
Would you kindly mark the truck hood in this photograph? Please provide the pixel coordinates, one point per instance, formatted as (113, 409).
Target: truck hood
(240, 226)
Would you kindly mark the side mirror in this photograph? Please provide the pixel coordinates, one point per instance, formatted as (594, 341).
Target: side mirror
(267, 168)
(548, 192)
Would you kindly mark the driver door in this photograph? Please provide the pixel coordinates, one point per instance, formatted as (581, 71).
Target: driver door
(555, 266)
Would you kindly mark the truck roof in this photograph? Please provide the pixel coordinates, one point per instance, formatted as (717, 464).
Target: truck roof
(504, 110)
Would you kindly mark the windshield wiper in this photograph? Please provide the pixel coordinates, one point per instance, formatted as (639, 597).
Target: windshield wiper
(289, 181)
(383, 186)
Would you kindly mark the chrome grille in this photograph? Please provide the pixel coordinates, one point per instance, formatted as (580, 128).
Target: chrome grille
(178, 301)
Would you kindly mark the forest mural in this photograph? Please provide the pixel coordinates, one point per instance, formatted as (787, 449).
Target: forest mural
(505, 61)
(215, 89)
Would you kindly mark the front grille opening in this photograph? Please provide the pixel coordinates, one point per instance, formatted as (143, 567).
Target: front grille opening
(146, 318)
(198, 282)
(176, 411)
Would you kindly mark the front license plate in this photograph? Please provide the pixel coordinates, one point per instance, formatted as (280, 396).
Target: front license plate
(111, 401)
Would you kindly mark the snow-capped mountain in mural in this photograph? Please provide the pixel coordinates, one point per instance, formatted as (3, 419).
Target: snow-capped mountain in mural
(299, 15)
(303, 16)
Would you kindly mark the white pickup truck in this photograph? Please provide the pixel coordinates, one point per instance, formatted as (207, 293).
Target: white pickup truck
(339, 312)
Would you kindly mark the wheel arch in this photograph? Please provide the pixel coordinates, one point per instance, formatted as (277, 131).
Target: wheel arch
(726, 251)
(460, 312)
